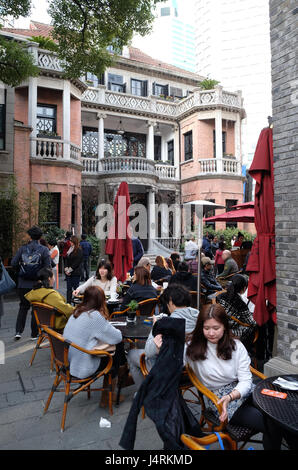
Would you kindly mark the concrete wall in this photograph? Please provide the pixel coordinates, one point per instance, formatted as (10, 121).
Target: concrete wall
(284, 42)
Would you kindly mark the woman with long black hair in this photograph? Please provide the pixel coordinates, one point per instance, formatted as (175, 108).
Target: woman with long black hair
(235, 307)
(73, 262)
(103, 278)
(222, 364)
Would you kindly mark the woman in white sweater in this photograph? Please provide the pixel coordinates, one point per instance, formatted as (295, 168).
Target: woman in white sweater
(222, 364)
(103, 278)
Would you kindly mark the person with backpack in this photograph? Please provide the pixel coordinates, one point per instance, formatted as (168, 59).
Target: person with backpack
(29, 259)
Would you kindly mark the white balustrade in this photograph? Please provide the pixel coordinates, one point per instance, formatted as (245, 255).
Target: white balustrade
(208, 165)
(166, 171)
(48, 148)
(90, 165)
(170, 243)
(49, 60)
(75, 152)
(230, 166)
(127, 165)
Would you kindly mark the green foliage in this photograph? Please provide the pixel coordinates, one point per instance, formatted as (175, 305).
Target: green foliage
(84, 29)
(228, 233)
(45, 43)
(54, 233)
(15, 8)
(133, 305)
(16, 63)
(208, 84)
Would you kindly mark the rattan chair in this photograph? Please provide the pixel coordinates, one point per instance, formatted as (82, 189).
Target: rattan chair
(118, 313)
(44, 316)
(210, 422)
(60, 347)
(199, 443)
(147, 307)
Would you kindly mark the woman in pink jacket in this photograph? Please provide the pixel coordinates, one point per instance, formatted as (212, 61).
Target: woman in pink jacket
(218, 261)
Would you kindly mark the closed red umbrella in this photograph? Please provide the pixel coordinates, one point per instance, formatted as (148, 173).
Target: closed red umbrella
(119, 245)
(261, 263)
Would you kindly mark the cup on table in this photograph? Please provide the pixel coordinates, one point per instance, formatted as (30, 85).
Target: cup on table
(131, 317)
(165, 285)
(114, 296)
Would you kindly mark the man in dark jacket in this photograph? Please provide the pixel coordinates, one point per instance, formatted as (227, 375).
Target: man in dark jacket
(138, 251)
(207, 277)
(87, 250)
(184, 277)
(26, 282)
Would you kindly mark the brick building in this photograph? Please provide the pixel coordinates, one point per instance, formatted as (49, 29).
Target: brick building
(284, 47)
(143, 121)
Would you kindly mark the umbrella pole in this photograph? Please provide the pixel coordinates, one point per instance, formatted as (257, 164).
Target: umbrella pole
(199, 210)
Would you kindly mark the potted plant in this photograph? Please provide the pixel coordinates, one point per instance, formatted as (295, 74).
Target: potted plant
(131, 313)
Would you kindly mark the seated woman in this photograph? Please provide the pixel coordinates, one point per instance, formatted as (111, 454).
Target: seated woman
(86, 327)
(184, 277)
(222, 364)
(43, 292)
(234, 306)
(141, 288)
(170, 265)
(103, 278)
(160, 270)
(178, 300)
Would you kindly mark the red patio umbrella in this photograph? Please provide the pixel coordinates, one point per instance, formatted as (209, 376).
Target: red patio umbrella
(119, 245)
(238, 215)
(261, 263)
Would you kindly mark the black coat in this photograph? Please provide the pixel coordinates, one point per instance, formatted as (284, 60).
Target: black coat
(138, 293)
(160, 273)
(159, 393)
(186, 279)
(74, 261)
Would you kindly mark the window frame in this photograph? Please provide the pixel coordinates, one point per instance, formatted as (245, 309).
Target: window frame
(188, 146)
(40, 116)
(143, 87)
(3, 121)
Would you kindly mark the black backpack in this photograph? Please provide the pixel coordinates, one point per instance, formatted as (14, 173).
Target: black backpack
(30, 264)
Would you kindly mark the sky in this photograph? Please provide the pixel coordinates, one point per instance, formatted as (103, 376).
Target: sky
(39, 10)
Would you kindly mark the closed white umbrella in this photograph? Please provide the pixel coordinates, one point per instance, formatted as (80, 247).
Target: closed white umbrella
(199, 208)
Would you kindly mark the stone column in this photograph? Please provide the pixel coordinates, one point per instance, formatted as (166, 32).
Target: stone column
(101, 137)
(32, 113)
(237, 136)
(218, 140)
(66, 119)
(151, 214)
(150, 140)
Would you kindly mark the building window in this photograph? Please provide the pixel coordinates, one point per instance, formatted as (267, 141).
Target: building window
(157, 147)
(224, 143)
(49, 209)
(176, 92)
(188, 146)
(165, 11)
(139, 87)
(96, 80)
(158, 90)
(229, 204)
(115, 83)
(90, 142)
(73, 209)
(171, 151)
(209, 213)
(2, 118)
(46, 119)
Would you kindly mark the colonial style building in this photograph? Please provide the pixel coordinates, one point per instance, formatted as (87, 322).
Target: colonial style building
(143, 121)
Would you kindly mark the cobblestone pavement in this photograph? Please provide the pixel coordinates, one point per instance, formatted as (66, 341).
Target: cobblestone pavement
(23, 393)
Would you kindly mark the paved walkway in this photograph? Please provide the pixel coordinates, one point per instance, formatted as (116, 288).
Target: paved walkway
(25, 389)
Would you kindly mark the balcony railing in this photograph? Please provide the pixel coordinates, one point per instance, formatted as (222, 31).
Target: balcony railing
(54, 148)
(132, 165)
(199, 99)
(215, 166)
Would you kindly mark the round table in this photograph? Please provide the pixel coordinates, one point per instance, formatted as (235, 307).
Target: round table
(282, 411)
(135, 331)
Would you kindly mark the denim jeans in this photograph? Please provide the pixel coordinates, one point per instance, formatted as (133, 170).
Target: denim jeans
(24, 306)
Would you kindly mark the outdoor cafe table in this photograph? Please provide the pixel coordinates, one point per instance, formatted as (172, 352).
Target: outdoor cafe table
(282, 411)
(134, 331)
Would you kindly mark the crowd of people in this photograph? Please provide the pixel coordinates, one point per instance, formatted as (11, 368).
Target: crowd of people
(216, 346)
